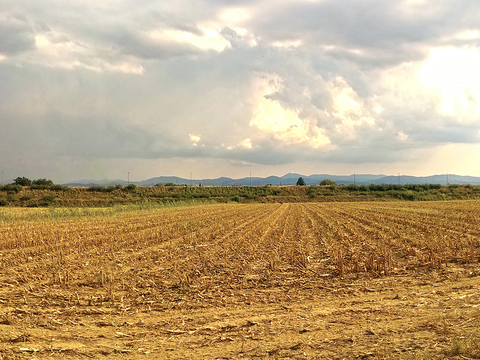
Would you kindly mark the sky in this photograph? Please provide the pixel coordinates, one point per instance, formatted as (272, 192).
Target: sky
(101, 89)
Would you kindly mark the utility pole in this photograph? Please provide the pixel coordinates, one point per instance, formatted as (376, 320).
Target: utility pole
(128, 177)
(447, 179)
(2, 178)
(398, 178)
(190, 178)
(250, 179)
(354, 180)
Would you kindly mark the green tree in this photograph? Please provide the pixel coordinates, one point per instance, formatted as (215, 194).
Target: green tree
(300, 182)
(47, 182)
(131, 187)
(22, 181)
(328, 182)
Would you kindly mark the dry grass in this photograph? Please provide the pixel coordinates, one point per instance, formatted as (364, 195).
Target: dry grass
(366, 280)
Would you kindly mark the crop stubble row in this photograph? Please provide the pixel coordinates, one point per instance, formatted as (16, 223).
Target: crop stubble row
(139, 257)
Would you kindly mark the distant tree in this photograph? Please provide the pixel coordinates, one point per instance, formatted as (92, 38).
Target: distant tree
(22, 181)
(47, 182)
(131, 187)
(300, 182)
(328, 182)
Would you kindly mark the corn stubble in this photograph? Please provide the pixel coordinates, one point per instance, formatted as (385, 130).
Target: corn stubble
(217, 256)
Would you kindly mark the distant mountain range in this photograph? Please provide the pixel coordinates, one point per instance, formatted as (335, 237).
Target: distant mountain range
(291, 179)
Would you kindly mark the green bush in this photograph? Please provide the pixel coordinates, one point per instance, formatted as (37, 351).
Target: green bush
(59, 187)
(46, 182)
(131, 187)
(97, 189)
(49, 197)
(11, 187)
(40, 187)
(328, 182)
(202, 195)
(312, 192)
(27, 197)
(11, 195)
(3, 202)
(22, 180)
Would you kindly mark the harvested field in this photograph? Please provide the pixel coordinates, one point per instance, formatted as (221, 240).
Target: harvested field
(314, 280)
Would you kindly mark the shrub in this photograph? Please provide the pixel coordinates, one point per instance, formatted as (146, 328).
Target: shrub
(40, 186)
(273, 191)
(46, 182)
(131, 187)
(22, 181)
(3, 202)
(49, 197)
(27, 197)
(97, 188)
(14, 188)
(312, 191)
(328, 182)
(59, 187)
(11, 195)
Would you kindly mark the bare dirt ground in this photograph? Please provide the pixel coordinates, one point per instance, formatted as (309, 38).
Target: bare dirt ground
(134, 296)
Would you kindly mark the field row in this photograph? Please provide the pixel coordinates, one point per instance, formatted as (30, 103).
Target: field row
(246, 280)
(256, 244)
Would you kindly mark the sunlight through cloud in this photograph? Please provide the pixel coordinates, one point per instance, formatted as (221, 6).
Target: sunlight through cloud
(210, 39)
(286, 126)
(455, 74)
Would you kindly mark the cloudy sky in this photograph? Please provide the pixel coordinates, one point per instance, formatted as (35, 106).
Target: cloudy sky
(97, 89)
